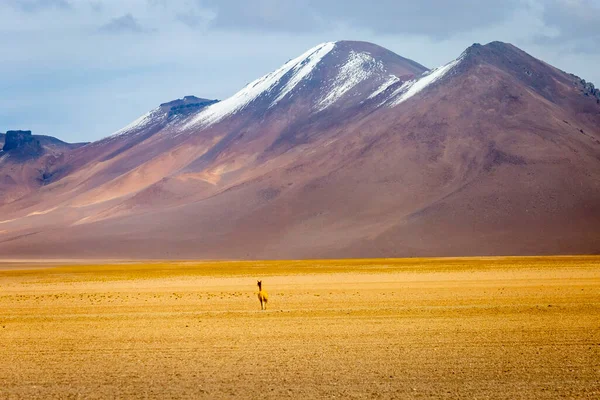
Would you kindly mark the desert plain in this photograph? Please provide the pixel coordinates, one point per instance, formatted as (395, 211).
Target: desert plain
(472, 328)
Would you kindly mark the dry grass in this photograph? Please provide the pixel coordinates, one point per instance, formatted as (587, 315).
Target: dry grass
(417, 328)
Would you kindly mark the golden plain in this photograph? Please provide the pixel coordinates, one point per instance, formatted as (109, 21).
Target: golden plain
(486, 328)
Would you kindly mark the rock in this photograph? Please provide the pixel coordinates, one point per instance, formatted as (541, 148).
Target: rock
(589, 89)
(22, 144)
(186, 106)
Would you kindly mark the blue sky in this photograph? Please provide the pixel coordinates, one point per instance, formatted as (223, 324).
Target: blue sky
(82, 69)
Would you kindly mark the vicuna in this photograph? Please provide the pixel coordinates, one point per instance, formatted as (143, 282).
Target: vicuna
(262, 296)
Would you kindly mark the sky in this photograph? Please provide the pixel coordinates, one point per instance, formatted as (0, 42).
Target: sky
(82, 69)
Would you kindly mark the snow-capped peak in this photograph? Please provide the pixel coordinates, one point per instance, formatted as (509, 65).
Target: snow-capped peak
(294, 70)
(357, 68)
(411, 88)
(332, 73)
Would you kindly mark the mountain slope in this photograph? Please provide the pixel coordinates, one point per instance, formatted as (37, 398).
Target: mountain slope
(158, 146)
(347, 150)
(25, 162)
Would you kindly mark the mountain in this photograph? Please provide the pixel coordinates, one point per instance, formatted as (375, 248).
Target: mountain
(25, 160)
(30, 145)
(348, 150)
(21, 145)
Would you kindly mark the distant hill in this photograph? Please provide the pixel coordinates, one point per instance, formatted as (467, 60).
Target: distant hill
(47, 142)
(25, 160)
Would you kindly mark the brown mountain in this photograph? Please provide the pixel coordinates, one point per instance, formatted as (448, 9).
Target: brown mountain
(25, 162)
(31, 145)
(346, 151)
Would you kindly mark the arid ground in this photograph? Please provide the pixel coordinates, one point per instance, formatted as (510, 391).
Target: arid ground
(506, 328)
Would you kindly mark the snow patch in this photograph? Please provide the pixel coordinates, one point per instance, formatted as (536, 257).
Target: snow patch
(303, 69)
(411, 88)
(393, 79)
(299, 67)
(358, 67)
(139, 123)
(152, 117)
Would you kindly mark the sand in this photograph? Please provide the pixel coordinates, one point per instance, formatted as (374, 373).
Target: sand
(485, 328)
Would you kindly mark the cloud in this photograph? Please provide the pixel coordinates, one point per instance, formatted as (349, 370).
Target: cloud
(576, 24)
(435, 18)
(37, 5)
(125, 24)
(191, 20)
(265, 15)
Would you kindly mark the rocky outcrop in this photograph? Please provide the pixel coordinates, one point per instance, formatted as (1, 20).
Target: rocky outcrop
(22, 145)
(187, 105)
(589, 89)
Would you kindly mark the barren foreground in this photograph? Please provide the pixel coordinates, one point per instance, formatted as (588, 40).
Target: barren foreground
(506, 328)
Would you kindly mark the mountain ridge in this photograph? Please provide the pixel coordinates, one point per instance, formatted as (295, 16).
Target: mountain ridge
(345, 151)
